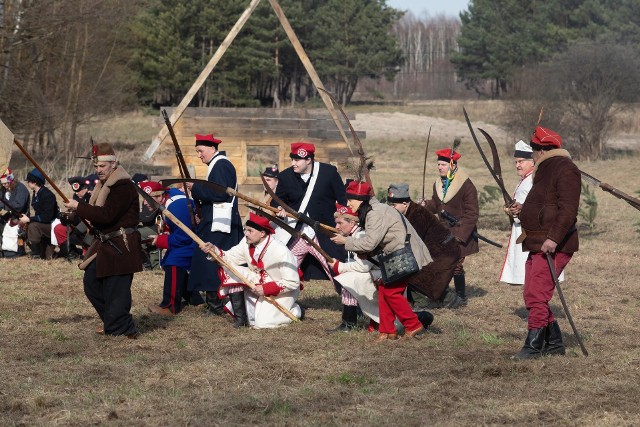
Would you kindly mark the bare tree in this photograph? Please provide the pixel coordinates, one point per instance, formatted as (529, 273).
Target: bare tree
(581, 90)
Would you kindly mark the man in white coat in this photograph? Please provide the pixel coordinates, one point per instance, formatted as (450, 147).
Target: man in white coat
(513, 268)
(270, 266)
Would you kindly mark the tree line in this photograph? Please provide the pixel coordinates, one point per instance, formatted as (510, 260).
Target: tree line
(63, 63)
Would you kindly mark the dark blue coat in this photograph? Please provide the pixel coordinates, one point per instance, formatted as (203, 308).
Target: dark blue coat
(328, 190)
(180, 245)
(204, 273)
(45, 207)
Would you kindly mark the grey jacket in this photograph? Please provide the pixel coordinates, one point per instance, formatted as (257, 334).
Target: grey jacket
(384, 228)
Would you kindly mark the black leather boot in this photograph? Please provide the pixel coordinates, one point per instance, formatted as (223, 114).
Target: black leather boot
(553, 341)
(533, 344)
(425, 318)
(239, 309)
(349, 319)
(460, 285)
(214, 304)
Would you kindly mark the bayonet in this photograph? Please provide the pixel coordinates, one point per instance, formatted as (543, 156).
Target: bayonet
(424, 169)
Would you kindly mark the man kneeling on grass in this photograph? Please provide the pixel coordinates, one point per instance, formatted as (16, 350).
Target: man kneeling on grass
(271, 267)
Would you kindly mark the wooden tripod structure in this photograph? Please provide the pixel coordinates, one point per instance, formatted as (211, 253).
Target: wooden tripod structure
(177, 113)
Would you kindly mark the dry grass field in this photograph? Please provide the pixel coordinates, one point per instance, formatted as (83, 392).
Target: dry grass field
(197, 370)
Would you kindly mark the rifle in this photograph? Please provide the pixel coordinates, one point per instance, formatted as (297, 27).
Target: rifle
(64, 198)
(316, 225)
(295, 233)
(610, 189)
(182, 165)
(453, 221)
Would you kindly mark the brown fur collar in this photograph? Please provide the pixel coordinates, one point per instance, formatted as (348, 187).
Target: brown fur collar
(100, 193)
(558, 152)
(459, 178)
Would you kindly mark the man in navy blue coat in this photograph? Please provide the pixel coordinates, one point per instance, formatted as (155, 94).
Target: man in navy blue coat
(313, 188)
(220, 221)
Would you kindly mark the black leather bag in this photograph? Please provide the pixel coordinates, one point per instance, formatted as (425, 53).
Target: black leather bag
(399, 264)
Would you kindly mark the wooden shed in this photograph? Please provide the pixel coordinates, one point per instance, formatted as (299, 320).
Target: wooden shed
(254, 138)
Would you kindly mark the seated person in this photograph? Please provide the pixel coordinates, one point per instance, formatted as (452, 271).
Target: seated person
(45, 211)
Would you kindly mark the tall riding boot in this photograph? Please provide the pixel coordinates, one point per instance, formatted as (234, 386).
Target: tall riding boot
(36, 249)
(459, 283)
(425, 317)
(214, 304)
(239, 309)
(349, 319)
(553, 341)
(533, 344)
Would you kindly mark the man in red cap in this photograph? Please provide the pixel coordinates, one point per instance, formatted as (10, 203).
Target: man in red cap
(220, 221)
(114, 255)
(548, 218)
(312, 188)
(271, 266)
(386, 232)
(455, 200)
(178, 248)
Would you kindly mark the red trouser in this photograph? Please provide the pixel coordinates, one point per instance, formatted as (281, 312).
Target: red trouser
(392, 304)
(539, 286)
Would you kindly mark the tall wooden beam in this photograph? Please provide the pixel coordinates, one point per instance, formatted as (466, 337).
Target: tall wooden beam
(308, 66)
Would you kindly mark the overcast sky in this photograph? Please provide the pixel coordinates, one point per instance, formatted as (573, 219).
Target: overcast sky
(433, 7)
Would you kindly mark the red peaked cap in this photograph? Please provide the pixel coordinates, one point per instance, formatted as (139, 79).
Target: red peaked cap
(302, 150)
(259, 223)
(152, 187)
(344, 212)
(209, 140)
(358, 190)
(546, 138)
(444, 155)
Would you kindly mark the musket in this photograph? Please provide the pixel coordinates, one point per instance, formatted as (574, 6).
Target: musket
(293, 232)
(554, 276)
(182, 165)
(424, 169)
(454, 221)
(14, 213)
(505, 193)
(212, 253)
(231, 192)
(316, 225)
(364, 167)
(60, 193)
(633, 201)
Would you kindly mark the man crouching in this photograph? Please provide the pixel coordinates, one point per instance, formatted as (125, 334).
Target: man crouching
(271, 267)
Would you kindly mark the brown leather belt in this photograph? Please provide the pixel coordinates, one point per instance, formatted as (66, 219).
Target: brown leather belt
(108, 236)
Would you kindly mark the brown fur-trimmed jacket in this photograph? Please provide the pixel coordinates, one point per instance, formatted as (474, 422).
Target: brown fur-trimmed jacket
(461, 201)
(113, 205)
(432, 232)
(551, 208)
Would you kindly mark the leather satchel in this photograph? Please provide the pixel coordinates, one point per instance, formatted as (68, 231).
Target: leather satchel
(399, 264)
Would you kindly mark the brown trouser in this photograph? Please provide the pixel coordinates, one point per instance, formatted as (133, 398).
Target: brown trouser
(39, 234)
